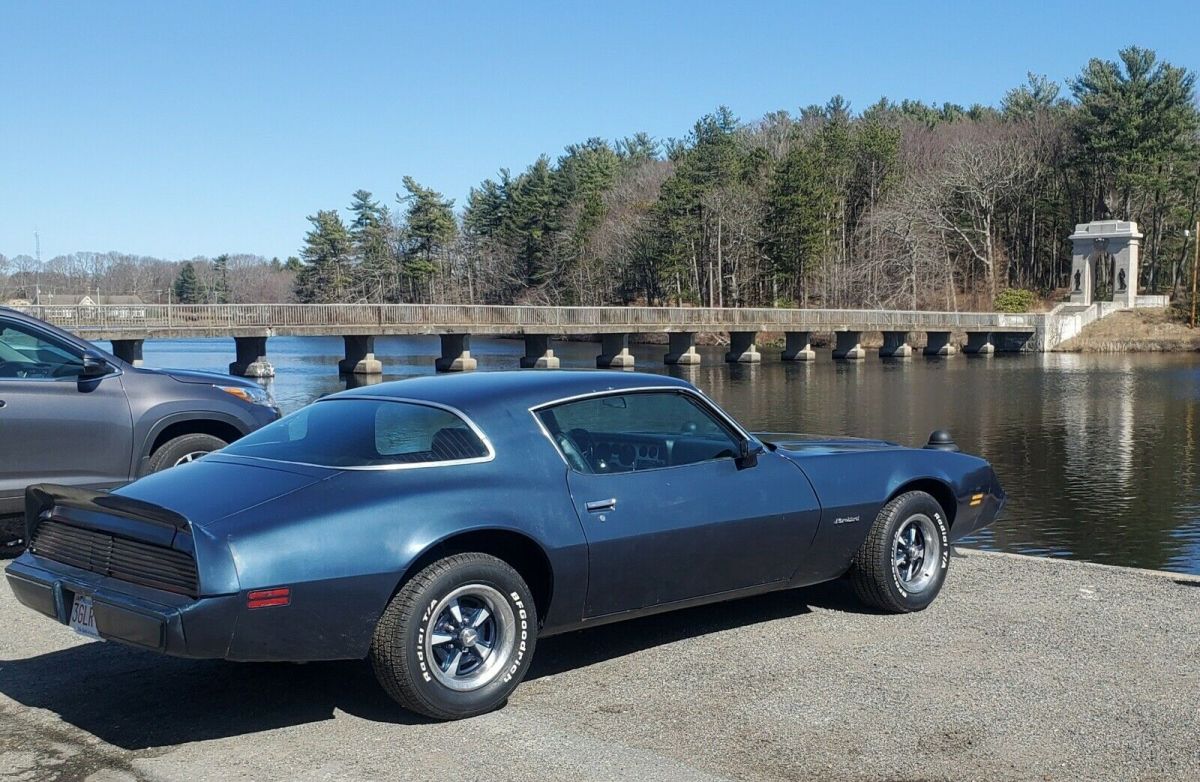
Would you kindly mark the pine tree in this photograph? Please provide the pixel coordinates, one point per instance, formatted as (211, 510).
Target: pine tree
(220, 292)
(429, 227)
(327, 253)
(187, 285)
(371, 234)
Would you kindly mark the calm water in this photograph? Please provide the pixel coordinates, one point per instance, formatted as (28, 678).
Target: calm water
(1098, 453)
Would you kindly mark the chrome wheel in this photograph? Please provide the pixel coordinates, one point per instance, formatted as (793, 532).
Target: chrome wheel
(469, 636)
(189, 457)
(916, 552)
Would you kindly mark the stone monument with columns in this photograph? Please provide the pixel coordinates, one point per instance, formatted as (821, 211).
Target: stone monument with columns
(1108, 250)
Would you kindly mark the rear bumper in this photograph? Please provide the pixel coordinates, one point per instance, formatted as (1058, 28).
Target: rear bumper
(139, 616)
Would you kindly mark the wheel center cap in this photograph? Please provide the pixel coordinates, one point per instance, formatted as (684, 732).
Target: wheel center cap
(468, 637)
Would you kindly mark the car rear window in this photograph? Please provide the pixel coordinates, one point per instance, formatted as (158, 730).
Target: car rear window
(364, 433)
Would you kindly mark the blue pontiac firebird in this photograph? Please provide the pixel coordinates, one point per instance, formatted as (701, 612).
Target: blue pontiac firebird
(440, 526)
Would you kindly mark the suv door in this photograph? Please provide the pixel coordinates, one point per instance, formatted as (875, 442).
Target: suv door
(668, 513)
(55, 425)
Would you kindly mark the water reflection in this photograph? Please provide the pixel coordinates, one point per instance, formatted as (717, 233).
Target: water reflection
(1098, 453)
(352, 380)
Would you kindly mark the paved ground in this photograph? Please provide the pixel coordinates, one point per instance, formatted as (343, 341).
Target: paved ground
(1023, 669)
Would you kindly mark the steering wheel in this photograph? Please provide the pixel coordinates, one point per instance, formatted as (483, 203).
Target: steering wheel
(572, 453)
(35, 369)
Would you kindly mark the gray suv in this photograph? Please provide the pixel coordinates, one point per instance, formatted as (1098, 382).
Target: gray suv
(73, 414)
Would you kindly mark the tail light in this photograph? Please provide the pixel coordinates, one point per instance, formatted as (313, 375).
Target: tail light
(268, 598)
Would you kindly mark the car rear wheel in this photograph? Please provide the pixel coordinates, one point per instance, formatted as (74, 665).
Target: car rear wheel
(902, 564)
(183, 449)
(457, 638)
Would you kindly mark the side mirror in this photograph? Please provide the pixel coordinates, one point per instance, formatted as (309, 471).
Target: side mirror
(94, 367)
(748, 454)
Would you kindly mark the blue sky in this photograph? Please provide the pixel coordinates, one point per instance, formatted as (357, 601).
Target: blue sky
(186, 128)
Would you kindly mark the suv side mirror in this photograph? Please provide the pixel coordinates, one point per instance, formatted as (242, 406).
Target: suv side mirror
(748, 454)
(94, 367)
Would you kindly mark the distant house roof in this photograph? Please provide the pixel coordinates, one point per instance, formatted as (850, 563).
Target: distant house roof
(90, 299)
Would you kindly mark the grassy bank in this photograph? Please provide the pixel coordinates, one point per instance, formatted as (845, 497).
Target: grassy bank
(1153, 331)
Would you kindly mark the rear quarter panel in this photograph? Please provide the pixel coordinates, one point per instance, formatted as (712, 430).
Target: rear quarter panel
(345, 544)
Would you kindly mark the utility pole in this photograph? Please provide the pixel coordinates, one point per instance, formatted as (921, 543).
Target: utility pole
(37, 273)
(1195, 262)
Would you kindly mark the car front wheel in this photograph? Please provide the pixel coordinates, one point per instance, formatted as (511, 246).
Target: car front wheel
(183, 449)
(902, 564)
(457, 638)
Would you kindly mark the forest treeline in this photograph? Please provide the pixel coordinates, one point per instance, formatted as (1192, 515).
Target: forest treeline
(906, 205)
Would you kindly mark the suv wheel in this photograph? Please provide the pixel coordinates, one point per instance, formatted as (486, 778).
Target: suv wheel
(183, 449)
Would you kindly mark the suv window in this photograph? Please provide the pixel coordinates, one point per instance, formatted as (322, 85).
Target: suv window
(26, 355)
(637, 431)
(364, 433)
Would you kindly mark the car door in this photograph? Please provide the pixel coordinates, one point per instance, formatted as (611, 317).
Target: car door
(54, 426)
(679, 516)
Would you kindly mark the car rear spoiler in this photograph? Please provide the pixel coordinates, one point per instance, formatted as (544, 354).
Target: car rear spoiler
(42, 498)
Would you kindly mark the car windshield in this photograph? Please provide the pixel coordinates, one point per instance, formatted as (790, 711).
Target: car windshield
(364, 433)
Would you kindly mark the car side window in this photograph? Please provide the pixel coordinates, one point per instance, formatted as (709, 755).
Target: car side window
(26, 355)
(352, 432)
(637, 431)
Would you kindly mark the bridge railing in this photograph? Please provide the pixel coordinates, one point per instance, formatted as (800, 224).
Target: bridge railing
(184, 317)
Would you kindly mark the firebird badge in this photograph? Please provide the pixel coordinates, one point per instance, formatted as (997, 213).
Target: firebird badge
(847, 520)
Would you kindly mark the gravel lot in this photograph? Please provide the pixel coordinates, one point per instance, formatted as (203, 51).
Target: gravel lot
(1023, 669)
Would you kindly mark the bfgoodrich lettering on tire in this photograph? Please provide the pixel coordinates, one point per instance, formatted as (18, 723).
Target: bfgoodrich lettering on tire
(457, 638)
(902, 564)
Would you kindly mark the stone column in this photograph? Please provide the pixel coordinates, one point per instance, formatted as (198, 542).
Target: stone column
(251, 358)
(538, 354)
(742, 349)
(980, 343)
(895, 345)
(798, 347)
(682, 349)
(1096, 243)
(848, 346)
(937, 343)
(360, 356)
(614, 352)
(456, 354)
(128, 350)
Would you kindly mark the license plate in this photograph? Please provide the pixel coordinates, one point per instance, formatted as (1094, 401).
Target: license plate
(83, 620)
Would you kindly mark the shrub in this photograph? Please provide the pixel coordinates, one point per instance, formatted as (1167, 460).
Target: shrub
(1015, 300)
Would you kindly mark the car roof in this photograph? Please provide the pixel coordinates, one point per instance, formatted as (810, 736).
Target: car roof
(478, 392)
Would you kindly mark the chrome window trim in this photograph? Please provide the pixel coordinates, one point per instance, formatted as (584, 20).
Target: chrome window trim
(704, 402)
(483, 438)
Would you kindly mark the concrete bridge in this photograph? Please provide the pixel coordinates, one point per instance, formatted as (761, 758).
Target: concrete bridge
(252, 325)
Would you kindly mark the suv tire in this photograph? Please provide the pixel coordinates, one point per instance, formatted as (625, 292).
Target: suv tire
(182, 449)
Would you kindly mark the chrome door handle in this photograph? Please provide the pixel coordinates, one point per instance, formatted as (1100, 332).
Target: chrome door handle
(595, 506)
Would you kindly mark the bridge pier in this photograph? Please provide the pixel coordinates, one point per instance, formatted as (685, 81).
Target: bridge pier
(128, 350)
(937, 343)
(980, 343)
(742, 349)
(614, 352)
(251, 358)
(798, 347)
(456, 354)
(538, 353)
(682, 348)
(849, 346)
(360, 356)
(895, 345)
